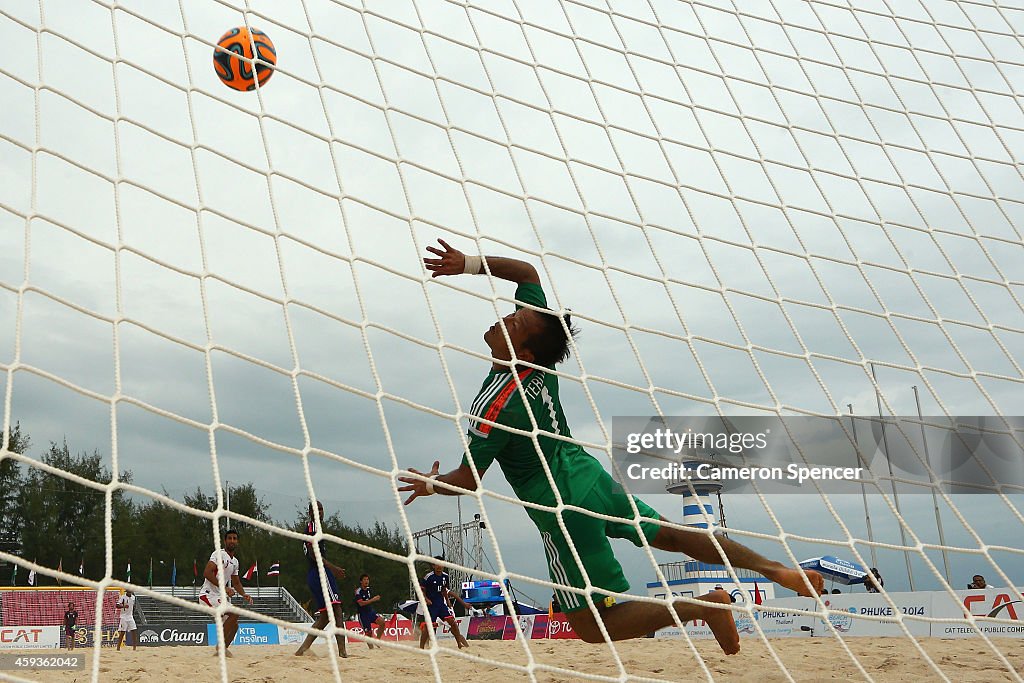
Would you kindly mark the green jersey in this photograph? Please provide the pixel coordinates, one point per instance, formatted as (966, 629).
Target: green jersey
(500, 401)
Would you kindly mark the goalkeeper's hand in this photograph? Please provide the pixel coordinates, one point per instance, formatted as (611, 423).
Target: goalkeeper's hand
(417, 484)
(451, 261)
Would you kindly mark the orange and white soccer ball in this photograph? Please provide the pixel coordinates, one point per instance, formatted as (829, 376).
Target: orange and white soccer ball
(232, 52)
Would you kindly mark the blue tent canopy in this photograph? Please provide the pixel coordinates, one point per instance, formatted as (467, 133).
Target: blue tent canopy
(836, 569)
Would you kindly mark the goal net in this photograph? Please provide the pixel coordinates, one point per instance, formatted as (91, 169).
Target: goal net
(784, 208)
(46, 607)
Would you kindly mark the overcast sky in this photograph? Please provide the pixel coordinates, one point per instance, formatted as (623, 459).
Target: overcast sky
(742, 210)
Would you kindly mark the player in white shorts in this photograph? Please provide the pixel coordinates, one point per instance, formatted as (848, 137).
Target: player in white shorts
(126, 603)
(225, 562)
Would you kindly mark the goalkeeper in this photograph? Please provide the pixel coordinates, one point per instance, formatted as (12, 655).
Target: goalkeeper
(540, 337)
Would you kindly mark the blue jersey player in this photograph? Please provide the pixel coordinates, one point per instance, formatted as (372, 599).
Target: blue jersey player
(436, 590)
(321, 601)
(368, 616)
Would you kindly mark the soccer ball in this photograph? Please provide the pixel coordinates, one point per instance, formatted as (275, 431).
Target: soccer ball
(234, 48)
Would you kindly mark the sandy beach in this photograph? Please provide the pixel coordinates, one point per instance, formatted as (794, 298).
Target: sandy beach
(882, 659)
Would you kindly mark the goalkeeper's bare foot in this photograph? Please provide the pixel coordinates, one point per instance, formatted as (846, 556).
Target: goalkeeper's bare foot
(720, 621)
(227, 653)
(305, 653)
(793, 579)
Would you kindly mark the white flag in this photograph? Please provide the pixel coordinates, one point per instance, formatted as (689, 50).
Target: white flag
(32, 577)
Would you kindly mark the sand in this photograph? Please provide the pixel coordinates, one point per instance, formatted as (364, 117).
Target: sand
(884, 659)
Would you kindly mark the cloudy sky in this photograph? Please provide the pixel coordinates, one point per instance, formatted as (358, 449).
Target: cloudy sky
(741, 208)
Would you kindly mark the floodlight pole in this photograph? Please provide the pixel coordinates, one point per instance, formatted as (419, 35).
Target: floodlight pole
(931, 477)
(892, 477)
(863, 490)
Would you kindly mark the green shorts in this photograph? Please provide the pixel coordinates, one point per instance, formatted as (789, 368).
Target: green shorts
(590, 536)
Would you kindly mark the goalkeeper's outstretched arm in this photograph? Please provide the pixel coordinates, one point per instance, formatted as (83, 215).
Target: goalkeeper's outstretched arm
(451, 261)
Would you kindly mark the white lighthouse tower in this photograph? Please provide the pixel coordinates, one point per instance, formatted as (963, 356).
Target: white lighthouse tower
(691, 578)
(697, 509)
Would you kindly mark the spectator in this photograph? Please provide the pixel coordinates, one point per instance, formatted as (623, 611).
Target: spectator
(874, 582)
(978, 582)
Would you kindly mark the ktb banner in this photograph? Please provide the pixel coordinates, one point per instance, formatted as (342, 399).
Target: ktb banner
(249, 633)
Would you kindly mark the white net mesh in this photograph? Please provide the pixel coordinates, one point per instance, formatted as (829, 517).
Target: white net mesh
(752, 208)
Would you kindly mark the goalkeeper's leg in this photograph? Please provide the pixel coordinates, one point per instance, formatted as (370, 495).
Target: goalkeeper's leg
(625, 620)
(698, 545)
(608, 497)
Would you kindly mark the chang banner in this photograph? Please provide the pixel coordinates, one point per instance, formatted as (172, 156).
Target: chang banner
(153, 634)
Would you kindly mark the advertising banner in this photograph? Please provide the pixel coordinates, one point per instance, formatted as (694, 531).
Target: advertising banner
(527, 624)
(486, 628)
(355, 627)
(155, 634)
(540, 627)
(989, 602)
(443, 630)
(394, 629)
(30, 637)
(848, 619)
(249, 633)
(290, 636)
(397, 628)
(559, 628)
(853, 606)
(775, 622)
(84, 636)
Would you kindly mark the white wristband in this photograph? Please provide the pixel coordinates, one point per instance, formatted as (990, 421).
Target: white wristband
(430, 484)
(473, 266)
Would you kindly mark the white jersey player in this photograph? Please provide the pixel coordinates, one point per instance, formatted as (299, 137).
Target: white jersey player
(225, 563)
(126, 625)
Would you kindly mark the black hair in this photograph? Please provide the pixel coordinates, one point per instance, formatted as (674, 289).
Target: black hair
(550, 344)
(229, 532)
(363, 576)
